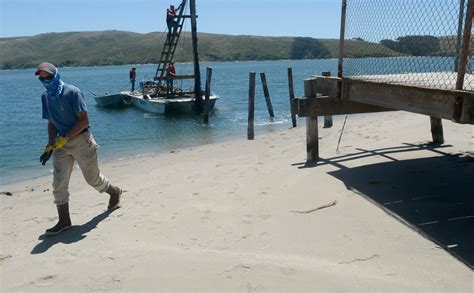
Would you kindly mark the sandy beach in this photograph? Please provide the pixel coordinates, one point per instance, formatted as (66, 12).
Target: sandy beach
(386, 213)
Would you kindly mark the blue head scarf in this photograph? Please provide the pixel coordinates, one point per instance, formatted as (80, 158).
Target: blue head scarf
(54, 86)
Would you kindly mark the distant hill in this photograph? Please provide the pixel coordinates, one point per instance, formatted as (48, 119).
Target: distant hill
(120, 47)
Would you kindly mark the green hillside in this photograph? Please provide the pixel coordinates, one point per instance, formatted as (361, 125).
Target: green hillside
(120, 47)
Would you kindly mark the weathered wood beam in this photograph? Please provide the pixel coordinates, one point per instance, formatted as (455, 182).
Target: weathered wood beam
(321, 106)
(183, 76)
(327, 118)
(324, 85)
(436, 103)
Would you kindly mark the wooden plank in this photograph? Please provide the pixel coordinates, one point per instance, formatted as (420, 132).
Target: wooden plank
(312, 107)
(437, 103)
(184, 76)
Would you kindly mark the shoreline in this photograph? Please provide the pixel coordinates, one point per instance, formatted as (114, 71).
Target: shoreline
(18, 177)
(107, 159)
(247, 215)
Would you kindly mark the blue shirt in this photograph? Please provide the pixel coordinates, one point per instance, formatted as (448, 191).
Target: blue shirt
(63, 109)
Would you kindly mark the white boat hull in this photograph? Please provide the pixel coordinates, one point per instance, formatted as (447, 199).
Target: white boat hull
(162, 105)
(114, 100)
(149, 105)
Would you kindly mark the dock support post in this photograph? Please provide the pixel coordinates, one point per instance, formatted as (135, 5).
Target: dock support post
(463, 60)
(312, 139)
(208, 93)
(437, 130)
(292, 95)
(459, 38)
(250, 127)
(328, 118)
(340, 62)
(267, 95)
(197, 72)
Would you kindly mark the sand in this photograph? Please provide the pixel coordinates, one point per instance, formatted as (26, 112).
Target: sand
(386, 213)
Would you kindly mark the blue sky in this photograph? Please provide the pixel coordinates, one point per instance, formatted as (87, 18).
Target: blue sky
(307, 18)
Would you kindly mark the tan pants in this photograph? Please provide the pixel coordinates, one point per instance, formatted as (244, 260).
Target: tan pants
(82, 149)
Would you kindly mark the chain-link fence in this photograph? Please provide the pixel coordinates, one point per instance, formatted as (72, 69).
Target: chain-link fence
(410, 42)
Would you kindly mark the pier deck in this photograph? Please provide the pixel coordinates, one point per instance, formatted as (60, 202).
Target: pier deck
(413, 92)
(435, 80)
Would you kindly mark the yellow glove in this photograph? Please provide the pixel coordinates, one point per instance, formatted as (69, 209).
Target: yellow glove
(48, 149)
(60, 142)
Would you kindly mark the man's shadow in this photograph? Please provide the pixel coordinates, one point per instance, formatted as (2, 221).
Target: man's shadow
(74, 234)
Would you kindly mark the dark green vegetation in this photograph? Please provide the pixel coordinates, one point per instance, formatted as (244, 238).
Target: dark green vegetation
(119, 47)
(414, 45)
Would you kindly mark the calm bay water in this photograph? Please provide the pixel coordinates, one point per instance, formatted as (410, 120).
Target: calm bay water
(130, 132)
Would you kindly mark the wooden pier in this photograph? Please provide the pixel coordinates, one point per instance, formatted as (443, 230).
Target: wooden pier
(366, 96)
(439, 95)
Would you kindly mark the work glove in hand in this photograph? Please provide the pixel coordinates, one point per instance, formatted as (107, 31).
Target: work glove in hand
(58, 144)
(46, 155)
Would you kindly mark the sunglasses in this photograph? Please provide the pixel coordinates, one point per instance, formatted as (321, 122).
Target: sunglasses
(49, 77)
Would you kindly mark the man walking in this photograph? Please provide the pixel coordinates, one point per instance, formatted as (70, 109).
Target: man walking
(69, 140)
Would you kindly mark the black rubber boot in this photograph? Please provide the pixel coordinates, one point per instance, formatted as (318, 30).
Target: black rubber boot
(64, 221)
(114, 201)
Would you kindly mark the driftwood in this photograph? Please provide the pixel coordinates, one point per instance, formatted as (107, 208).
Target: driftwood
(359, 259)
(316, 209)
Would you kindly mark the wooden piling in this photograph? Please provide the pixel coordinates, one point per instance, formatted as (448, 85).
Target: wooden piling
(327, 119)
(267, 95)
(312, 140)
(437, 130)
(207, 94)
(250, 127)
(292, 95)
(197, 71)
